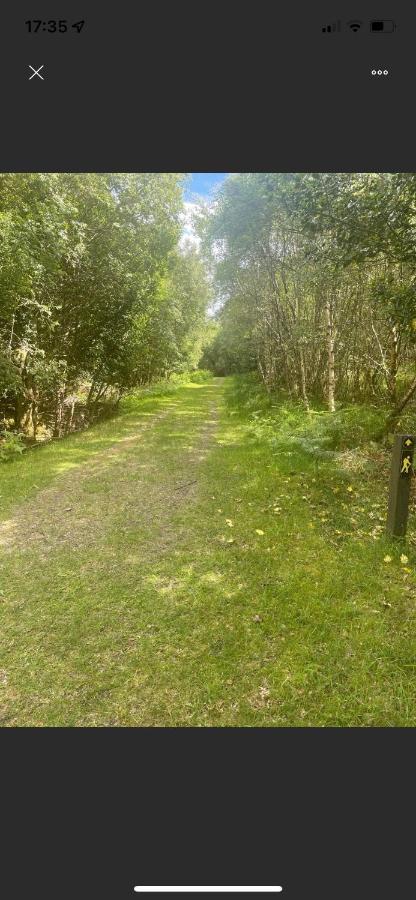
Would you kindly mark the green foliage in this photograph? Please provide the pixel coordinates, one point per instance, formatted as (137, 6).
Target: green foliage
(284, 423)
(95, 291)
(230, 349)
(201, 376)
(170, 340)
(316, 278)
(11, 446)
(9, 377)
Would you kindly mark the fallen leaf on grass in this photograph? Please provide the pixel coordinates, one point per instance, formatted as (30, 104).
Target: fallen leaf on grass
(259, 531)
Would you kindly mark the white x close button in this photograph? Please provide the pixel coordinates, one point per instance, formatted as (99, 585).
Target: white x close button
(36, 72)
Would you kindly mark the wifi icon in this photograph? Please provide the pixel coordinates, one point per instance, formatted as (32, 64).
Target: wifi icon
(355, 25)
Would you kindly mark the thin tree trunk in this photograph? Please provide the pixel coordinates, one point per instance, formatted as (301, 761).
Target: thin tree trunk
(303, 391)
(57, 430)
(11, 335)
(393, 365)
(101, 392)
(18, 412)
(394, 415)
(71, 417)
(35, 417)
(91, 392)
(331, 356)
(261, 370)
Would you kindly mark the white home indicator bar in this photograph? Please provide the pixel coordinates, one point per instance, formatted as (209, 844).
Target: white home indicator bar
(208, 890)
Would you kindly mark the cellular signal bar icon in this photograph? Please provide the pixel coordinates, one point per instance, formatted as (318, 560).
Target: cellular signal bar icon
(330, 29)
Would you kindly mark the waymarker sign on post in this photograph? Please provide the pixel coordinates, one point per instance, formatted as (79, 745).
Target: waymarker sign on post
(400, 481)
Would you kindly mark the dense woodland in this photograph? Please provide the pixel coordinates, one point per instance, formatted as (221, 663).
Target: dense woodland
(316, 277)
(313, 278)
(97, 296)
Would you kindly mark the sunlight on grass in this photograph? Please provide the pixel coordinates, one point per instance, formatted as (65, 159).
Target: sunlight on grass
(225, 586)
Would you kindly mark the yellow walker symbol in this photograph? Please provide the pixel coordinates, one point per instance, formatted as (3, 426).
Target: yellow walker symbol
(407, 462)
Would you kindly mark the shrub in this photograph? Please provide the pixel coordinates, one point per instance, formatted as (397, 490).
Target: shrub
(11, 445)
(200, 376)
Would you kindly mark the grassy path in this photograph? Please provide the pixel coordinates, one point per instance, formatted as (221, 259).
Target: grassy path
(165, 568)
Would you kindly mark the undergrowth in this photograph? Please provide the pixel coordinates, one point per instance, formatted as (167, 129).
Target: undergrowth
(284, 423)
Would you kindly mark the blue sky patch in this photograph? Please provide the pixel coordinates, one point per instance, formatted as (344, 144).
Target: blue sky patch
(202, 183)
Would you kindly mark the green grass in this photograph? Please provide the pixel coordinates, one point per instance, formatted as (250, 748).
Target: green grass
(213, 571)
(37, 467)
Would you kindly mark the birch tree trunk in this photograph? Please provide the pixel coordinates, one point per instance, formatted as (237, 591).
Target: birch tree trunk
(331, 355)
(302, 374)
(393, 365)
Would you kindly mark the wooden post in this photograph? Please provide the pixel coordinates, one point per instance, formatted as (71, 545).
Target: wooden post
(400, 480)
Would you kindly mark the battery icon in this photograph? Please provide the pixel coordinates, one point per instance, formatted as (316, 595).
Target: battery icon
(382, 26)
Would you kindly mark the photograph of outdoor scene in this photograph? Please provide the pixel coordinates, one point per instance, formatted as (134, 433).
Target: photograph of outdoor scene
(201, 380)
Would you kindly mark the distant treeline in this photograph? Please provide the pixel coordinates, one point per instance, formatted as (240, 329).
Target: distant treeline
(95, 295)
(317, 278)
